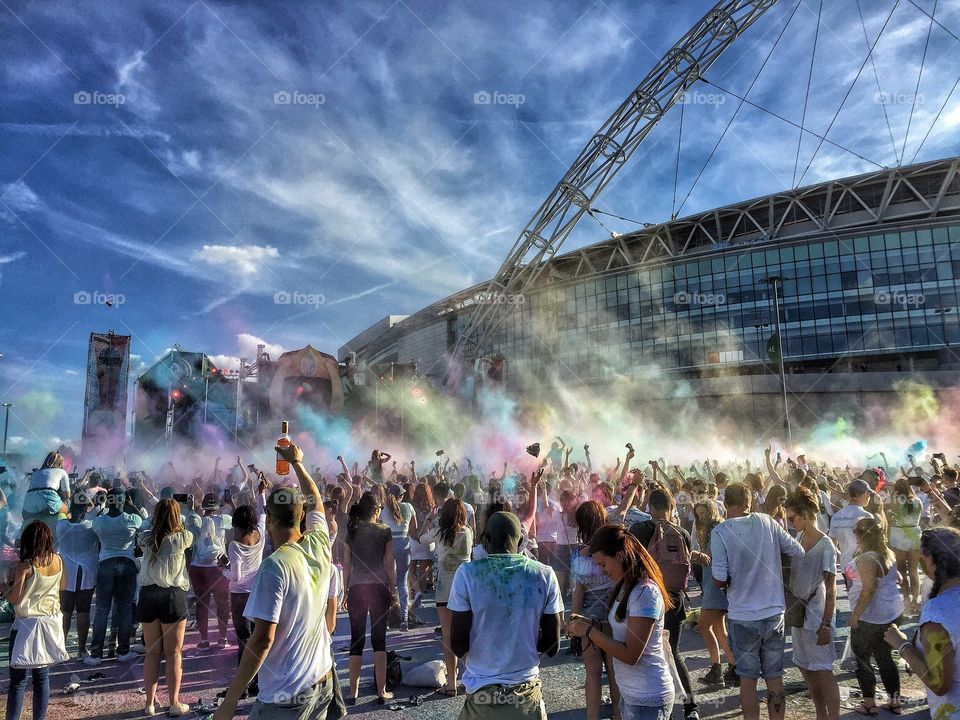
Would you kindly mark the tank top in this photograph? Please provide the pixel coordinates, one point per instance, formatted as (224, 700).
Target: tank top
(41, 594)
(887, 603)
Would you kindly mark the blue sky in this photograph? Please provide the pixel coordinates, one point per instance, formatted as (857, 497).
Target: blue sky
(198, 158)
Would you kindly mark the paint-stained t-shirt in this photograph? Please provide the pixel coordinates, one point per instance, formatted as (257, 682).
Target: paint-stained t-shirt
(290, 590)
(507, 595)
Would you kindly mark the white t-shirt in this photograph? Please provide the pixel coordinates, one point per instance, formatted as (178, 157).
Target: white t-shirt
(944, 609)
(286, 592)
(549, 522)
(210, 538)
(401, 529)
(746, 551)
(79, 549)
(841, 530)
(507, 595)
(50, 479)
(649, 682)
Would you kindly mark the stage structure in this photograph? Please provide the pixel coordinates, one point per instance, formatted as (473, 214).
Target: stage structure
(184, 392)
(105, 399)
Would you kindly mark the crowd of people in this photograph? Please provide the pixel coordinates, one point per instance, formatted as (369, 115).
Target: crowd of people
(608, 557)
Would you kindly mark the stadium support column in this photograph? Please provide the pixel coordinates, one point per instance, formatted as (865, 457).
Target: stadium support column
(775, 282)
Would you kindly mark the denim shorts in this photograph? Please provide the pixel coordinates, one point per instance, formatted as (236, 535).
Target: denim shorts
(758, 647)
(645, 712)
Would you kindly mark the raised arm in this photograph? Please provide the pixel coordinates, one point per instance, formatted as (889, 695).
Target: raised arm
(312, 500)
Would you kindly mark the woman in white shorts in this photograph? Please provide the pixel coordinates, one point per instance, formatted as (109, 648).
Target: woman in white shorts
(813, 580)
(904, 513)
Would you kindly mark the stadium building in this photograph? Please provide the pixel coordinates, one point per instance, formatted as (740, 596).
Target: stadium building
(865, 271)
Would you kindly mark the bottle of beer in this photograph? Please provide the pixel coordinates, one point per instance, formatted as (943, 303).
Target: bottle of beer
(283, 467)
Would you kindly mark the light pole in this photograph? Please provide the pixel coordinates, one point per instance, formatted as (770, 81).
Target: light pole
(6, 424)
(774, 281)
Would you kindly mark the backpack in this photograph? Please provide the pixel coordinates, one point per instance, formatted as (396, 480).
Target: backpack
(669, 550)
(394, 671)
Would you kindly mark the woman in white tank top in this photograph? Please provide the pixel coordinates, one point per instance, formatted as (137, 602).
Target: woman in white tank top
(876, 603)
(35, 595)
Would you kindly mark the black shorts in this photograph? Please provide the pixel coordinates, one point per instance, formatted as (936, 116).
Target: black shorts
(168, 605)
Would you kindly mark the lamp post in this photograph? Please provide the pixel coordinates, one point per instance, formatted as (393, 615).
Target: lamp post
(6, 425)
(774, 281)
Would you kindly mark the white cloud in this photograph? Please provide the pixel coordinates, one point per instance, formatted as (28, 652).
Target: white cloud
(247, 349)
(13, 257)
(246, 260)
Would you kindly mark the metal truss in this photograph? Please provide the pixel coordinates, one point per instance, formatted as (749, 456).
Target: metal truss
(604, 156)
(924, 191)
(921, 191)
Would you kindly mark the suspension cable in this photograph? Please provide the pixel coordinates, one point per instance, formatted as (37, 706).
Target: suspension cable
(876, 76)
(806, 97)
(923, 59)
(676, 172)
(849, 90)
(737, 111)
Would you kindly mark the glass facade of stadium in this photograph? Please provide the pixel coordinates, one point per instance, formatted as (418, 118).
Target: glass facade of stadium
(869, 267)
(871, 293)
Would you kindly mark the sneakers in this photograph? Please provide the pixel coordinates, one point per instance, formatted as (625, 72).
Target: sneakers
(223, 644)
(730, 677)
(404, 627)
(138, 648)
(92, 661)
(714, 677)
(150, 710)
(178, 710)
(128, 657)
(203, 646)
(82, 655)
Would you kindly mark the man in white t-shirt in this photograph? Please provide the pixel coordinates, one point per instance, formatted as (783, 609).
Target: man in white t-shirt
(507, 612)
(845, 520)
(746, 550)
(290, 645)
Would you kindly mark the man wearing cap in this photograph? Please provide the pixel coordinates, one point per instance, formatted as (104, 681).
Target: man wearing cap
(209, 546)
(290, 645)
(507, 611)
(845, 520)
(116, 574)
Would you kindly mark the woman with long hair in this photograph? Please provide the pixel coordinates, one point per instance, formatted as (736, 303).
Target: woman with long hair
(567, 541)
(46, 496)
(773, 505)
(79, 549)
(162, 607)
(244, 555)
(904, 513)
(375, 466)
(34, 593)
(813, 582)
(421, 556)
(591, 588)
(401, 518)
(370, 576)
(633, 633)
(876, 604)
(713, 604)
(454, 540)
(930, 654)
